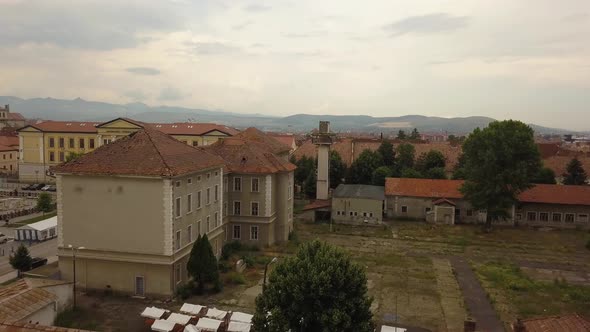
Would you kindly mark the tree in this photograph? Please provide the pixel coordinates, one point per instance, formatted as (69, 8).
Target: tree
(337, 169)
(73, 156)
(429, 160)
(411, 173)
(405, 156)
(387, 153)
(202, 264)
(459, 169)
(44, 202)
(361, 170)
(305, 166)
(500, 162)
(546, 176)
(318, 289)
(21, 260)
(310, 185)
(401, 135)
(575, 173)
(379, 175)
(415, 135)
(435, 173)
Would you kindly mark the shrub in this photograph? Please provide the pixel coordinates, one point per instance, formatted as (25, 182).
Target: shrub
(248, 260)
(229, 249)
(217, 286)
(293, 237)
(236, 278)
(224, 266)
(185, 291)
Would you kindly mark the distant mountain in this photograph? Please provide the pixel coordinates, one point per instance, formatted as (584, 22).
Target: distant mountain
(83, 110)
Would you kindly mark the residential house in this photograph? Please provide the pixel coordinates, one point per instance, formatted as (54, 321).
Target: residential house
(48, 143)
(10, 119)
(136, 206)
(258, 186)
(440, 201)
(358, 204)
(286, 139)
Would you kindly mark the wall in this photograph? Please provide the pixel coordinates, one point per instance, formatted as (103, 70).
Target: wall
(9, 161)
(43, 316)
(63, 293)
(361, 208)
(418, 206)
(283, 202)
(523, 208)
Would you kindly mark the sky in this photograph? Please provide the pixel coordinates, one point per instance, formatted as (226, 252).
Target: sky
(527, 59)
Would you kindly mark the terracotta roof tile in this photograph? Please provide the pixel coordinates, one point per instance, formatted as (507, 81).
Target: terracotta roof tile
(569, 323)
(548, 149)
(15, 116)
(318, 204)
(197, 129)
(288, 140)
(65, 126)
(243, 156)
(19, 300)
(146, 152)
(9, 140)
(6, 148)
(254, 135)
(557, 194)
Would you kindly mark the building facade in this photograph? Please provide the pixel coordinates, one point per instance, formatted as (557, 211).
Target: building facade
(155, 196)
(49, 143)
(10, 119)
(358, 204)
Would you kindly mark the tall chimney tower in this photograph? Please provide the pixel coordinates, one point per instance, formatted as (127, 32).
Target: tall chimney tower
(323, 139)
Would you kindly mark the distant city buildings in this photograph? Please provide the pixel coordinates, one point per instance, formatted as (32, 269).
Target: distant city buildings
(10, 119)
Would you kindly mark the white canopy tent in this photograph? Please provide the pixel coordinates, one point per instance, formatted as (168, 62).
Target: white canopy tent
(385, 328)
(153, 312)
(161, 325)
(241, 317)
(216, 314)
(179, 318)
(39, 231)
(192, 309)
(238, 327)
(206, 324)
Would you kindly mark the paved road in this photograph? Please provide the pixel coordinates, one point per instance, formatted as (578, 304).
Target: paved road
(43, 249)
(475, 297)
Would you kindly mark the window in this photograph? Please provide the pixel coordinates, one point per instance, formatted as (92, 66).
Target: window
(4, 156)
(208, 175)
(370, 214)
(543, 216)
(185, 142)
(255, 185)
(177, 277)
(81, 143)
(177, 183)
(237, 208)
(208, 223)
(253, 232)
(51, 156)
(189, 181)
(71, 143)
(189, 233)
(51, 142)
(216, 193)
(237, 232)
(237, 184)
(62, 142)
(139, 286)
(61, 156)
(224, 209)
(177, 240)
(225, 184)
(556, 217)
(91, 143)
(177, 208)
(10, 156)
(351, 213)
(198, 178)
(356, 214)
(198, 199)
(570, 217)
(216, 173)
(52, 232)
(106, 141)
(289, 191)
(519, 216)
(427, 209)
(198, 227)
(216, 219)
(582, 218)
(195, 143)
(404, 209)
(531, 216)
(469, 213)
(254, 208)
(208, 198)
(189, 203)
(337, 213)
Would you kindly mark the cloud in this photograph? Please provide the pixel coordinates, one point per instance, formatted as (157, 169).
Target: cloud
(241, 26)
(170, 93)
(212, 48)
(576, 17)
(144, 71)
(427, 24)
(136, 95)
(257, 8)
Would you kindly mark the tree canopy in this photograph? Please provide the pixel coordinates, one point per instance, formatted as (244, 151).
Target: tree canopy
(429, 160)
(405, 156)
(401, 135)
(500, 162)
(380, 174)
(318, 289)
(387, 153)
(545, 175)
(575, 173)
(361, 170)
(21, 260)
(44, 202)
(337, 169)
(202, 264)
(415, 134)
(411, 173)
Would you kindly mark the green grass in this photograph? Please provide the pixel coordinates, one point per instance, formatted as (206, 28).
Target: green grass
(32, 220)
(529, 297)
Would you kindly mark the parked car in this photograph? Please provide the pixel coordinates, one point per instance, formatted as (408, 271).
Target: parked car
(52, 188)
(38, 186)
(37, 262)
(3, 238)
(46, 188)
(27, 187)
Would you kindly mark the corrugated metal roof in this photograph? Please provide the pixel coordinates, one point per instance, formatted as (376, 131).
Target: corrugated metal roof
(359, 191)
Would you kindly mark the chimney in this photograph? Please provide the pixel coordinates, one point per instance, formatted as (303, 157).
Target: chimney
(469, 325)
(323, 139)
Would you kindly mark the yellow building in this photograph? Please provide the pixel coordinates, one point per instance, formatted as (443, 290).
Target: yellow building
(49, 143)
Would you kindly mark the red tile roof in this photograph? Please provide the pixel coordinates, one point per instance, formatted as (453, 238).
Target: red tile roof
(9, 140)
(8, 148)
(318, 204)
(254, 135)
(243, 156)
(196, 129)
(540, 193)
(569, 323)
(548, 149)
(288, 140)
(65, 126)
(15, 116)
(146, 152)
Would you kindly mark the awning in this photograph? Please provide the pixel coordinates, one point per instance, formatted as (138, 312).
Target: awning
(238, 327)
(193, 309)
(241, 317)
(216, 314)
(153, 312)
(179, 318)
(386, 328)
(161, 325)
(206, 324)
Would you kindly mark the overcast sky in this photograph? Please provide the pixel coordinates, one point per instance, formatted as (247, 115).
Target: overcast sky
(521, 59)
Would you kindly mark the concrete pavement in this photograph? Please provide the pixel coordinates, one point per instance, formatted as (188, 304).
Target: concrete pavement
(44, 249)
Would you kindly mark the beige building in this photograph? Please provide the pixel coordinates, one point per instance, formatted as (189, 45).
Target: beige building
(136, 206)
(49, 143)
(8, 159)
(258, 187)
(10, 119)
(358, 204)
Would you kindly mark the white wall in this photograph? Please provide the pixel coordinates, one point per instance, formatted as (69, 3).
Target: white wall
(43, 316)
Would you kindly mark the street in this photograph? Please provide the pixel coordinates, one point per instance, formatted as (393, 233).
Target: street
(46, 249)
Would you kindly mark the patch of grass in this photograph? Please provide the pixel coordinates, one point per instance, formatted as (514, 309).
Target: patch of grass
(235, 278)
(77, 318)
(32, 220)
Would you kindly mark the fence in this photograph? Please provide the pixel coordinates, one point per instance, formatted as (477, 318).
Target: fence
(22, 212)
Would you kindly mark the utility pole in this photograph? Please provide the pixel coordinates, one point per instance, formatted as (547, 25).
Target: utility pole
(74, 270)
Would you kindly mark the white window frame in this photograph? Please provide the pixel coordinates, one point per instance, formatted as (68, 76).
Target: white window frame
(233, 232)
(189, 232)
(548, 217)
(189, 203)
(557, 214)
(234, 184)
(252, 228)
(178, 207)
(257, 185)
(257, 208)
(234, 208)
(536, 216)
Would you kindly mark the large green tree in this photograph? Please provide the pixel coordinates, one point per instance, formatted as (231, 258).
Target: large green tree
(545, 175)
(310, 185)
(500, 162)
(429, 160)
(202, 264)
(361, 170)
(318, 289)
(337, 169)
(405, 156)
(305, 166)
(21, 260)
(575, 173)
(380, 174)
(459, 169)
(387, 153)
(435, 173)
(411, 173)
(44, 202)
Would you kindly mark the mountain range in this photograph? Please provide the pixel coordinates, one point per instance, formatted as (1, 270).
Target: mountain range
(83, 110)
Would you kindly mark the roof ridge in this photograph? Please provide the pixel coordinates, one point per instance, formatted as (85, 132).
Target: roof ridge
(158, 151)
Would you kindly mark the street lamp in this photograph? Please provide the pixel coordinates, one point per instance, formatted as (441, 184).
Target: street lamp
(74, 267)
(272, 261)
